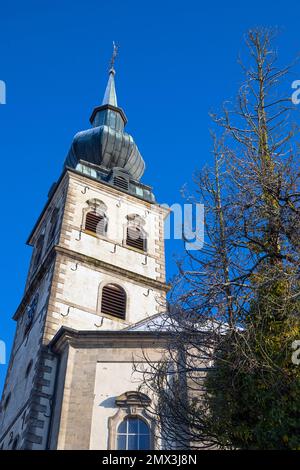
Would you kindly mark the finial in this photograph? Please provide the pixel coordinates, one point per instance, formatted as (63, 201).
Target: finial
(113, 57)
(110, 96)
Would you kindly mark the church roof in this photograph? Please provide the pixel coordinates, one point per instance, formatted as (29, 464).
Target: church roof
(106, 143)
(110, 96)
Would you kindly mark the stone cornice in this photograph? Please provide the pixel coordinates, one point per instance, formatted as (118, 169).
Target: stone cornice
(96, 183)
(139, 278)
(112, 268)
(95, 339)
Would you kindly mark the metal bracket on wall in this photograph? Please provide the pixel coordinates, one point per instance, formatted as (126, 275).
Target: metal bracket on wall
(76, 267)
(148, 292)
(66, 314)
(101, 323)
(50, 408)
(114, 250)
(146, 261)
(118, 203)
(79, 236)
(86, 188)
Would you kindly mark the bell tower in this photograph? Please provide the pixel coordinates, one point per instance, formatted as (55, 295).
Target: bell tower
(97, 269)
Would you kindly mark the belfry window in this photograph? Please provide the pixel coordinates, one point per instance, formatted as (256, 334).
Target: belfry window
(96, 222)
(135, 237)
(133, 434)
(113, 301)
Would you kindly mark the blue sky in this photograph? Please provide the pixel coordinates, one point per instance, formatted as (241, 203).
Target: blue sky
(177, 62)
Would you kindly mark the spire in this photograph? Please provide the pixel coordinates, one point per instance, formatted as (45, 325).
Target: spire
(106, 144)
(110, 96)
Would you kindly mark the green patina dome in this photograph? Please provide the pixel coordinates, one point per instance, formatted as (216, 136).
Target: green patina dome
(106, 144)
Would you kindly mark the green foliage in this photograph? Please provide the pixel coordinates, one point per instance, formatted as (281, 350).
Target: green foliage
(255, 398)
(253, 392)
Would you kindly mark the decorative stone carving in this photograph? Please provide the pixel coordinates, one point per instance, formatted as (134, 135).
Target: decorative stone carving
(131, 404)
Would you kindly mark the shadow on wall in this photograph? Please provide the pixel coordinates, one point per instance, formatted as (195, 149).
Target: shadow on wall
(108, 402)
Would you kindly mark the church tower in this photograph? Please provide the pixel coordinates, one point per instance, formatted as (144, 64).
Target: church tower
(96, 277)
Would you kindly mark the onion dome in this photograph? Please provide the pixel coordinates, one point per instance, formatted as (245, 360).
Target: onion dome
(106, 144)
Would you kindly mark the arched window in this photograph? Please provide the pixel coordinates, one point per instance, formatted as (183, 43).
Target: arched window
(133, 434)
(96, 222)
(113, 301)
(135, 237)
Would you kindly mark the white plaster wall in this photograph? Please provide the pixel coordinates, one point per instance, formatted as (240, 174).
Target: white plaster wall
(120, 256)
(81, 293)
(118, 207)
(106, 390)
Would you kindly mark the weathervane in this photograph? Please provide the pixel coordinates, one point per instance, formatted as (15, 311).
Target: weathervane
(114, 55)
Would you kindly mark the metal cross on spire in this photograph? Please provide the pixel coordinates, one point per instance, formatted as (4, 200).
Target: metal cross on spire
(110, 96)
(114, 55)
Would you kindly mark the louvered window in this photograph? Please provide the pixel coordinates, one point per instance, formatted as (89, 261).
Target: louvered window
(95, 223)
(121, 182)
(113, 301)
(136, 238)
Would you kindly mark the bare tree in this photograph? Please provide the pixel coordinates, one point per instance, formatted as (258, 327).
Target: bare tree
(226, 378)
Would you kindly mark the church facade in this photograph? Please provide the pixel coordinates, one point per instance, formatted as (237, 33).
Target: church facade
(96, 279)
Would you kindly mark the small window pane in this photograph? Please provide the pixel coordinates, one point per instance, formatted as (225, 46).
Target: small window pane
(121, 442)
(133, 442)
(133, 426)
(139, 191)
(123, 427)
(144, 442)
(143, 427)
